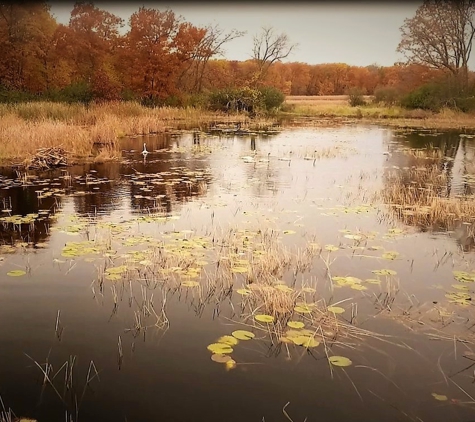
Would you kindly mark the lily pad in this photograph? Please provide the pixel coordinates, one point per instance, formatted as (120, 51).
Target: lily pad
(220, 348)
(439, 397)
(336, 309)
(229, 340)
(295, 324)
(339, 361)
(244, 292)
(384, 271)
(190, 283)
(16, 273)
(243, 335)
(264, 318)
(220, 358)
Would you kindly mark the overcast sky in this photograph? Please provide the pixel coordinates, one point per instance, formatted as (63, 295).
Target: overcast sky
(356, 33)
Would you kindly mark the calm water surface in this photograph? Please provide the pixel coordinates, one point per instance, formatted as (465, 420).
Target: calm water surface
(135, 348)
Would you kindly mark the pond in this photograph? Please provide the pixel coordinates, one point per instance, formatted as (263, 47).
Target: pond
(307, 274)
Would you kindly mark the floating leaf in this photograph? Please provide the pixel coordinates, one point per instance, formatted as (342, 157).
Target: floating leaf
(16, 273)
(220, 348)
(190, 283)
(339, 361)
(308, 290)
(239, 270)
(244, 292)
(230, 340)
(391, 255)
(113, 277)
(439, 397)
(358, 287)
(230, 364)
(336, 309)
(384, 272)
(243, 335)
(373, 281)
(304, 341)
(220, 358)
(303, 309)
(295, 324)
(353, 236)
(464, 277)
(264, 318)
(331, 248)
(289, 232)
(284, 288)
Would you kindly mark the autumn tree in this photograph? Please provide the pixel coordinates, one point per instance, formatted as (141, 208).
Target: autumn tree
(91, 42)
(210, 45)
(26, 31)
(269, 48)
(440, 35)
(157, 49)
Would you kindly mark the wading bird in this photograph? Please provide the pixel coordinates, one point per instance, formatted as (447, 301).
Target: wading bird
(144, 152)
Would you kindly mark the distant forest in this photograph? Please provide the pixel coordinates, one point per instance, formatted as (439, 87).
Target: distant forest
(161, 56)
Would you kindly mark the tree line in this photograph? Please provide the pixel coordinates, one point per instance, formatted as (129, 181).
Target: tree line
(163, 58)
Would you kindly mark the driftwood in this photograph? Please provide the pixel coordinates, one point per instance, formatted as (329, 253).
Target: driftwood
(47, 158)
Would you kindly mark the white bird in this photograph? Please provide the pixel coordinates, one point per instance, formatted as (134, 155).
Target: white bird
(286, 158)
(144, 152)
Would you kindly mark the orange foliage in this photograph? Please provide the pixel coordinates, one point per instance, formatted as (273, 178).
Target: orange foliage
(161, 55)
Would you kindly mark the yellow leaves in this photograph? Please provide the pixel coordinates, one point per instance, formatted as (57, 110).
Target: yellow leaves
(305, 309)
(331, 248)
(384, 272)
(189, 283)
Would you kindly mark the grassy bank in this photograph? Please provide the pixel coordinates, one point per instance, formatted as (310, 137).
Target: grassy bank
(87, 132)
(336, 106)
(92, 132)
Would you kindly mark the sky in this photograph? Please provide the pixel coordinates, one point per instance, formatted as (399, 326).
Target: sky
(356, 33)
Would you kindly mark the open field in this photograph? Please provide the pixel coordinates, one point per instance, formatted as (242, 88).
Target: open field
(329, 106)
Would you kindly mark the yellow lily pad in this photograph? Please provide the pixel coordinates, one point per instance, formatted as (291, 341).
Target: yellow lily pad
(229, 340)
(336, 309)
(16, 273)
(295, 324)
(220, 348)
(339, 361)
(439, 397)
(243, 335)
(264, 318)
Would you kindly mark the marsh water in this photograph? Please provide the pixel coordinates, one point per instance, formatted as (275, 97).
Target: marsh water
(116, 277)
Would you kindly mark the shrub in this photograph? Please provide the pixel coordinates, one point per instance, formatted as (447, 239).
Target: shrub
(272, 98)
(356, 98)
(387, 95)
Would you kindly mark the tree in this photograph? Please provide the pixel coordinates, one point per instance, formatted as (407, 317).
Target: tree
(210, 45)
(440, 35)
(268, 49)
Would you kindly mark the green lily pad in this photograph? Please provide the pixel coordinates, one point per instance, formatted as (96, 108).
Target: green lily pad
(220, 348)
(264, 318)
(243, 335)
(295, 324)
(439, 397)
(229, 340)
(336, 309)
(339, 361)
(16, 273)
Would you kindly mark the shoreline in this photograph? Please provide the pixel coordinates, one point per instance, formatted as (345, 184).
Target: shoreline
(92, 134)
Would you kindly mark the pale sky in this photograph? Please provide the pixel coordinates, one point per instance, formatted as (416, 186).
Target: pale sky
(356, 33)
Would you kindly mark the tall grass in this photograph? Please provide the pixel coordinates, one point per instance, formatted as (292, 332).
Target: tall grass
(26, 127)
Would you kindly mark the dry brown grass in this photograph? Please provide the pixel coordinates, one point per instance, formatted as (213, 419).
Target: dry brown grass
(419, 197)
(24, 128)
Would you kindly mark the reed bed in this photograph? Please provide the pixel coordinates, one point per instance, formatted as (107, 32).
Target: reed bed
(24, 128)
(420, 197)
